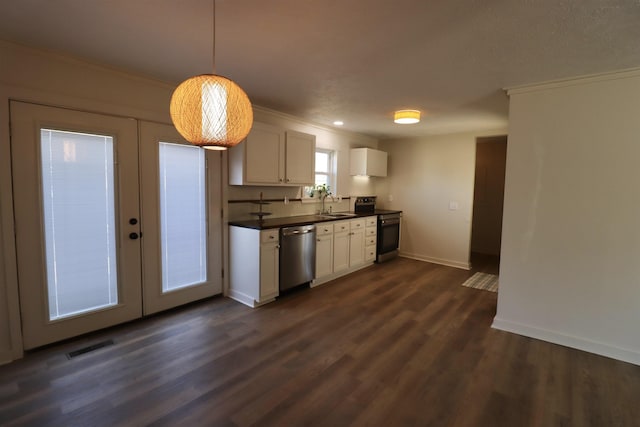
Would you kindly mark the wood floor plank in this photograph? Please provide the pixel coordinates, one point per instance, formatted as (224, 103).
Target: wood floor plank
(401, 343)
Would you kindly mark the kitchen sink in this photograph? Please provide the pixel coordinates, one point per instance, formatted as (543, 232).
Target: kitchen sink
(338, 215)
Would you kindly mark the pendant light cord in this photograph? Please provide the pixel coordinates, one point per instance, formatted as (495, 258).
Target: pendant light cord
(214, 37)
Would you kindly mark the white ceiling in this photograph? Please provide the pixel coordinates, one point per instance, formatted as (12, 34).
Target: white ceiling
(353, 60)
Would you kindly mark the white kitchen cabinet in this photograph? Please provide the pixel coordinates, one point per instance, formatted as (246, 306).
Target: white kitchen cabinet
(367, 162)
(351, 249)
(324, 250)
(341, 238)
(370, 233)
(269, 268)
(356, 242)
(253, 265)
(271, 155)
(300, 153)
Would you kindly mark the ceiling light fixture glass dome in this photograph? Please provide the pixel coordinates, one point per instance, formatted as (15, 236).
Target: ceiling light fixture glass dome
(406, 117)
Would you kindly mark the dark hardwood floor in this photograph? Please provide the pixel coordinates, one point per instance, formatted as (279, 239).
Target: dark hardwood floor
(392, 345)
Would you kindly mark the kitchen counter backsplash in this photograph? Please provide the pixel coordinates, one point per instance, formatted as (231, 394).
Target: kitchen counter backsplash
(242, 211)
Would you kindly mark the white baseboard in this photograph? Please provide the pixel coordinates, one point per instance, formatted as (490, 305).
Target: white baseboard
(447, 262)
(554, 337)
(246, 299)
(322, 280)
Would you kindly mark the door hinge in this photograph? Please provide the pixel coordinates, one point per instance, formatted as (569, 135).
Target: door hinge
(221, 213)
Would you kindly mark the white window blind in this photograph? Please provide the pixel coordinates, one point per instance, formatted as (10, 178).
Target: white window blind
(182, 216)
(79, 221)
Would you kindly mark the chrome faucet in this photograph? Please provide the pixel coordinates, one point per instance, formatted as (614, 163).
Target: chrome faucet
(323, 210)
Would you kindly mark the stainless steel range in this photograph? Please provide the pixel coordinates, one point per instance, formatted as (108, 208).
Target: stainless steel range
(388, 227)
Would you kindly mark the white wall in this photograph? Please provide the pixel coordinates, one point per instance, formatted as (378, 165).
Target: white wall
(571, 233)
(424, 176)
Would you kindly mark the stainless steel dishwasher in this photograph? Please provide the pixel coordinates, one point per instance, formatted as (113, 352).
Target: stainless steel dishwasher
(297, 255)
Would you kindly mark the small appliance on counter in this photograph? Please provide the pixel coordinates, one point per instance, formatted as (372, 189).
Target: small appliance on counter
(388, 239)
(366, 204)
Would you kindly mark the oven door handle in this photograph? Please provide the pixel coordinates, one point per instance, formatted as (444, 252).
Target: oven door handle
(389, 222)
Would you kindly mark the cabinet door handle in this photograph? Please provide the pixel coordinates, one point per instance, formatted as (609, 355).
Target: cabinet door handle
(318, 240)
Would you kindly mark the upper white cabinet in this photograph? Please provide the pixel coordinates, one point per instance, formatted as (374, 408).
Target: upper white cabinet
(300, 158)
(271, 155)
(366, 161)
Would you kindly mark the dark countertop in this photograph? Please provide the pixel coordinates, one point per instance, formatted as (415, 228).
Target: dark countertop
(292, 221)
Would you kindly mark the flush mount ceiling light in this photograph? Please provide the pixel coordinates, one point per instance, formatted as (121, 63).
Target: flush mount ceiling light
(406, 117)
(338, 123)
(211, 111)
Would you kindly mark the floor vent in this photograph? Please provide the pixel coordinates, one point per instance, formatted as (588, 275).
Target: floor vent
(92, 347)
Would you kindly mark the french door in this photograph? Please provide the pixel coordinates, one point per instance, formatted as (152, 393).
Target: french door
(182, 239)
(99, 237)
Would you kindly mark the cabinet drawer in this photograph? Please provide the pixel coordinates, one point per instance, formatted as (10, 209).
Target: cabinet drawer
(370, 231)
(370, 253)
(340, 226)
(371, 241)
(357, 224)
(324, 228)
(371, 221)
(267, 236)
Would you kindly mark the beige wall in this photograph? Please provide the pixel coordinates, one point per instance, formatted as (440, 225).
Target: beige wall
(427, 175)
(571, 236)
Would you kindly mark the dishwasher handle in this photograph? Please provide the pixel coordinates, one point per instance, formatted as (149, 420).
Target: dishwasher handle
(292, 231)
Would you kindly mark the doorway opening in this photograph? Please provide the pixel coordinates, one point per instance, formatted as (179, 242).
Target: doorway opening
(488, 201)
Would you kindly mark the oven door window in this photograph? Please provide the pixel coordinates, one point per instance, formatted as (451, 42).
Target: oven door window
(389, 238)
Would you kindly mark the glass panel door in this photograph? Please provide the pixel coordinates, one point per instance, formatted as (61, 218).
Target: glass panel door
(181, 201)
(79, 221)
(76, 201)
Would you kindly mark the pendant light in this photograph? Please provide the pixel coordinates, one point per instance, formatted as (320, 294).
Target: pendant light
(211, 111)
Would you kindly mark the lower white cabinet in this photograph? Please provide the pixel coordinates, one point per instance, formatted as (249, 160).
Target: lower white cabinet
(253, 265)
(341, 247)
(356, 242)
(341, 250)
(348, 249)
(324, 249)
(370, 238)
(269, 274)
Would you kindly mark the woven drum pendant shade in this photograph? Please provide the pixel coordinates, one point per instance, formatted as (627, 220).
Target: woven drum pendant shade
(211, 111)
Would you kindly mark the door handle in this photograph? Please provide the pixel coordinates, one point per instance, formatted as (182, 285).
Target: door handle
(133, 236)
